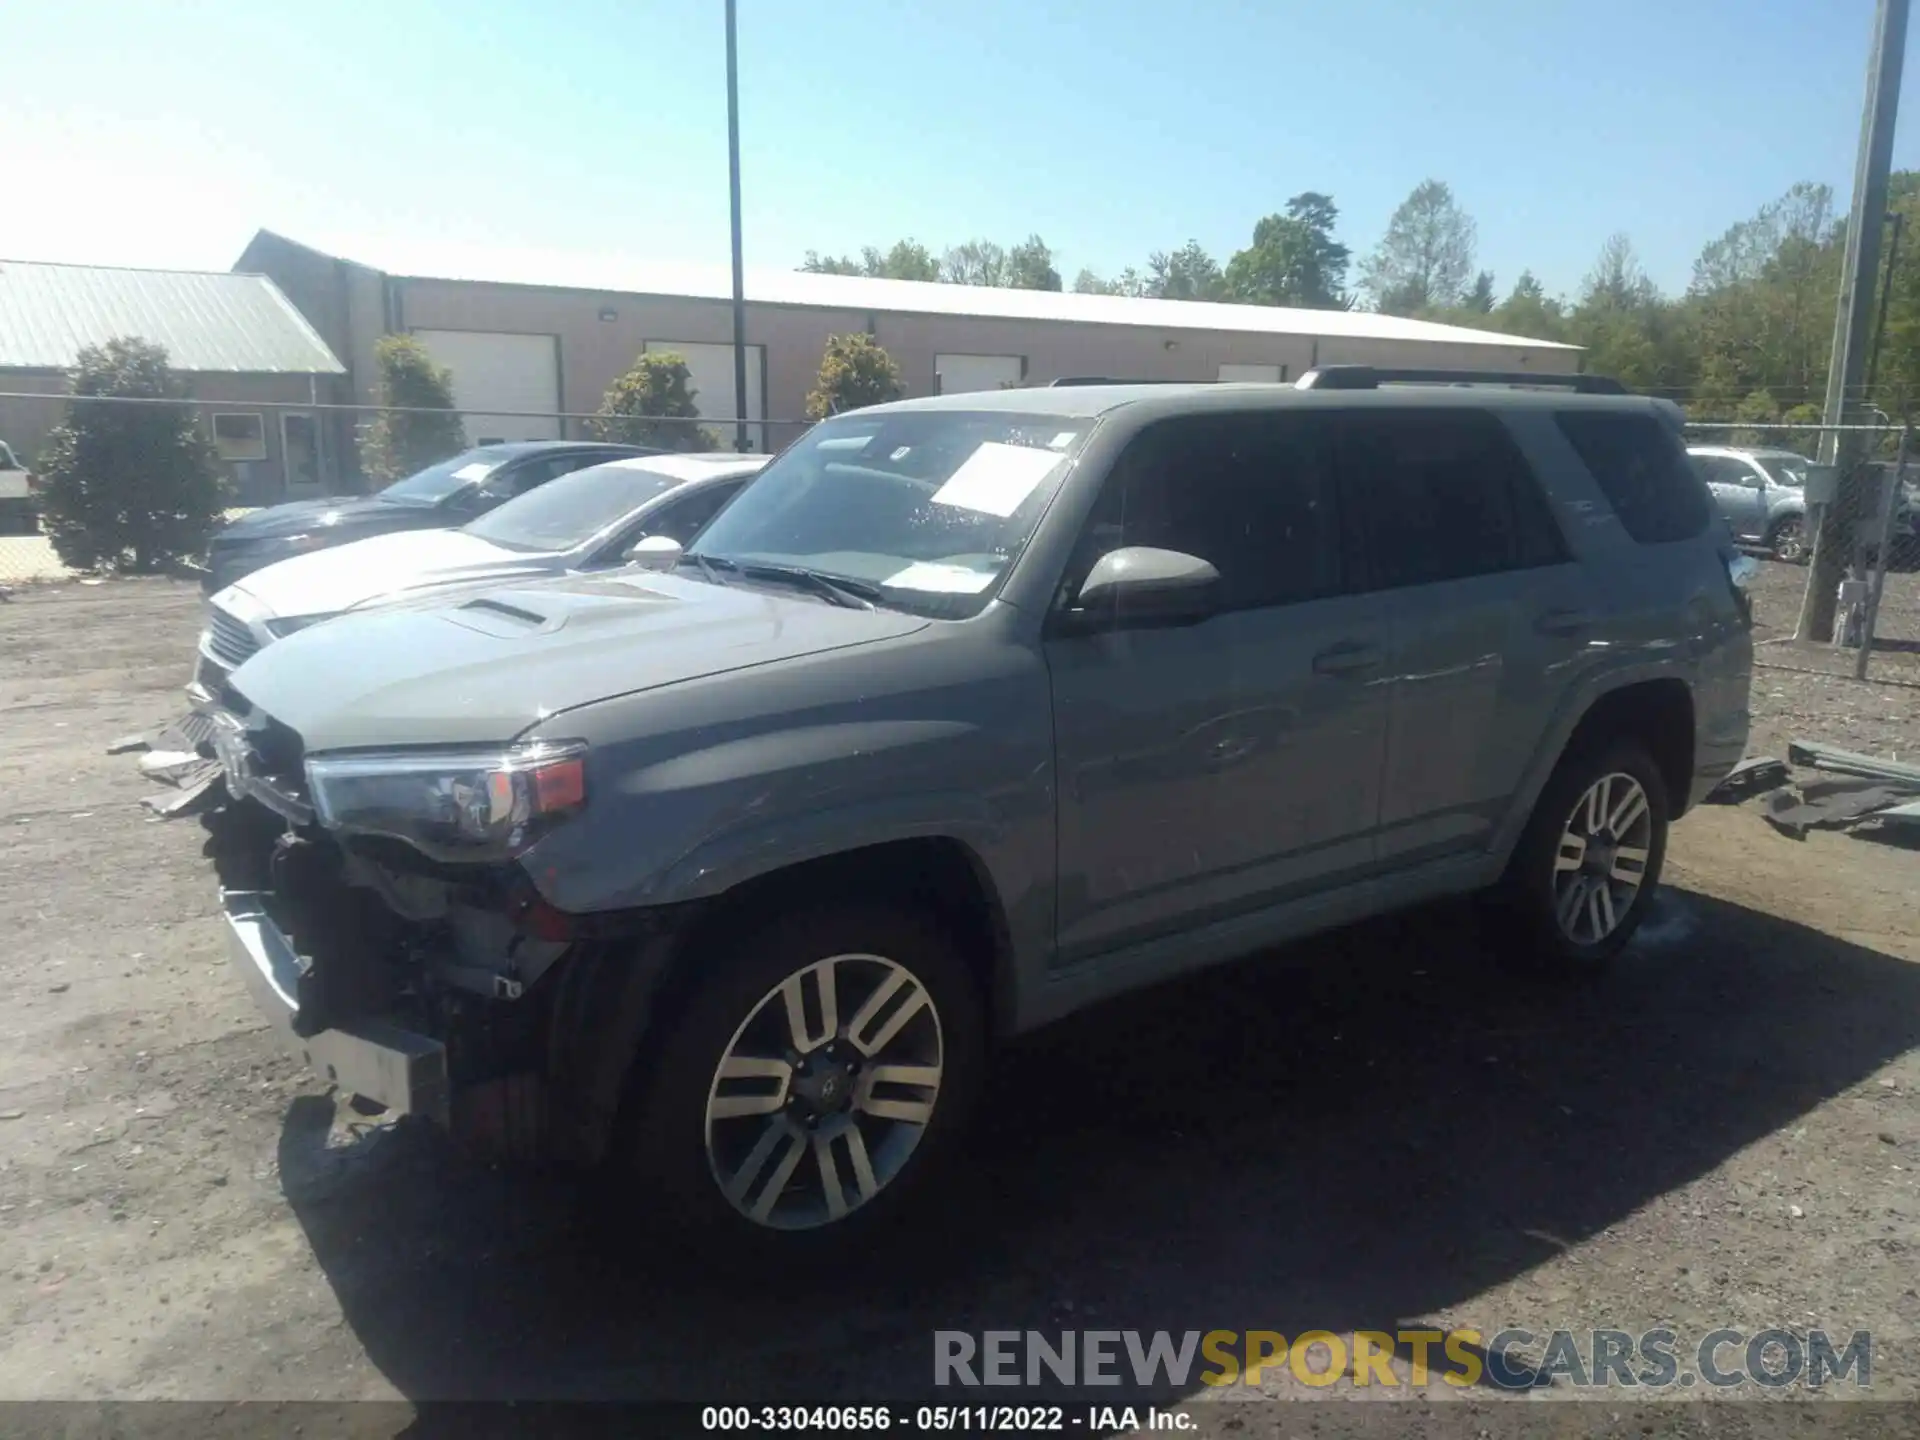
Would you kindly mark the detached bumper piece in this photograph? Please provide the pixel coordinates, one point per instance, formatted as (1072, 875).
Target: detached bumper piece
(370, 1056)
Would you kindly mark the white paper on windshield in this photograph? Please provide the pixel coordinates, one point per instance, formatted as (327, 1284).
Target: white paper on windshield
(996, 478)
(942, 579)
(478, 470)
(1062, 440)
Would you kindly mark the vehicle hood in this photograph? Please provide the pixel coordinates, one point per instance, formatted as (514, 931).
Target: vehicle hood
(481, 669)
(365, 572)
(345, 513)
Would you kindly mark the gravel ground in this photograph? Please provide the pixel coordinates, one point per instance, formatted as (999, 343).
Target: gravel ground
(1360, 1133)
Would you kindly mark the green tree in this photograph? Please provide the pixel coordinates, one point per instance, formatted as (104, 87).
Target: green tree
(1528, 311)
(653, 404)
(1293, 260)
(1188, 273)
(1629, 330)
(1480, 298)
(817, 264)
(1128, 282)
(976, 262)
(1030, 266)
(1425, 260)
(854, 372)
(904, 260)
(423, 426)
(1759, 311)
(128, 487)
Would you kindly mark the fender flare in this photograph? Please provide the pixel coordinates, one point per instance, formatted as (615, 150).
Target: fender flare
(1573, 709)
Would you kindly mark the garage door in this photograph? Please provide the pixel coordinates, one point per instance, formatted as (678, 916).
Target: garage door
(495, 373)
(958, 374)
(1272, 374)
(711, 367)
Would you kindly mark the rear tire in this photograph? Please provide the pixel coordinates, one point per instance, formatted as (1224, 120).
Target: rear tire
(1586, 866)
(1787, 540)
(779, 1138)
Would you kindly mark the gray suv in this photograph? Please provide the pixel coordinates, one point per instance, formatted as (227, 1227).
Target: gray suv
(969, 712)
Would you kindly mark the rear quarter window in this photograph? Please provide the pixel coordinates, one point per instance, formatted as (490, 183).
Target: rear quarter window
(1640, 467)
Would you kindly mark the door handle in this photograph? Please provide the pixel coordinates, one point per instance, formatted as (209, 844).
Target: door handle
(1346, 660)
(1564, 622)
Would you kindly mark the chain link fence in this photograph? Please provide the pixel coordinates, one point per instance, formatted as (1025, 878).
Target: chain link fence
(271, 451)
(1785, 490)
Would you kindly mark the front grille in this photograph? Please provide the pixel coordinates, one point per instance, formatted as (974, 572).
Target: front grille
(230, 639)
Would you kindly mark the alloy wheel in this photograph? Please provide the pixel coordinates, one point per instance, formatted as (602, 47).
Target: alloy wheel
(1601, 862)
(1790, 542)
(824, 1092)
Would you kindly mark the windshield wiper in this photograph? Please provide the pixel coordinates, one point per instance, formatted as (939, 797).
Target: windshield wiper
(837, 590)
(709, 568)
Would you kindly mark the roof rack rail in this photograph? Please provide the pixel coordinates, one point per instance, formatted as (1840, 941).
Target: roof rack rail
(1372, 377)
(1112, 380)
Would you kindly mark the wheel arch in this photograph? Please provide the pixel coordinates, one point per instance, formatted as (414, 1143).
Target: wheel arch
(613, 996)
(1654, 706)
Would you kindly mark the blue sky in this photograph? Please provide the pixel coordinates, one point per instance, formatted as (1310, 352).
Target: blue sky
(163, 134)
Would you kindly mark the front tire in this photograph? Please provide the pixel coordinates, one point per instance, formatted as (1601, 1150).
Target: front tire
(1586, 866)
(807, 1088)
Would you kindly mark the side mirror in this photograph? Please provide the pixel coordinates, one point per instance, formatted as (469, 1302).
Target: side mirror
(654, 552)
(1141, 585)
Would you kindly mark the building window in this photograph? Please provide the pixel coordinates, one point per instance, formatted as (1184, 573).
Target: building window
(239, 436)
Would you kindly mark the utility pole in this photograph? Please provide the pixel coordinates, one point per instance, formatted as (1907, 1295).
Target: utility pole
(739, 273)
(1834, 536)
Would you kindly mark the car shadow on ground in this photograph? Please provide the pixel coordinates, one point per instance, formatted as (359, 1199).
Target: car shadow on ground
(1367, 1128)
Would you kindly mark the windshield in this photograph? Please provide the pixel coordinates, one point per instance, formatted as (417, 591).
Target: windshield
(435, 483)
(932, 506)
(562, 513)
(1784, 469)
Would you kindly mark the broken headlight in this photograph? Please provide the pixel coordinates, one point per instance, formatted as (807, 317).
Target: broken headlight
(452, 805)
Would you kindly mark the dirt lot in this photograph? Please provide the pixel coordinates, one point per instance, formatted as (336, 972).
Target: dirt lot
(1722, 1133)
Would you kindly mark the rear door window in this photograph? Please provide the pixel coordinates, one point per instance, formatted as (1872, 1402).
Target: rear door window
(1643, 471)
(1443, 495)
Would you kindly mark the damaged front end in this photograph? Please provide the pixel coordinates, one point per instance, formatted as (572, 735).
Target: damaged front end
(377, 912)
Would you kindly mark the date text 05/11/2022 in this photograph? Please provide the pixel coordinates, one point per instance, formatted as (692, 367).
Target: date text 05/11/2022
(943, 1419)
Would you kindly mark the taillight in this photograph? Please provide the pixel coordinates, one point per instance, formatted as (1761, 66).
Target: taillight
(1741, 571)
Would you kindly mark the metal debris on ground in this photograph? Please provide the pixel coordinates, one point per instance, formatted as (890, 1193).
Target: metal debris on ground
(1846, 762)
(127, 744)
(1749, 778)
(1852, 788)
(1828, 805)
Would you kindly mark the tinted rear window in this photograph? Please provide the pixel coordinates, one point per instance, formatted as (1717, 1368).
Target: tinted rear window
(1643, 472)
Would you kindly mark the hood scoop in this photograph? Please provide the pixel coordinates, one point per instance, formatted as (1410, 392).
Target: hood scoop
(499, 617)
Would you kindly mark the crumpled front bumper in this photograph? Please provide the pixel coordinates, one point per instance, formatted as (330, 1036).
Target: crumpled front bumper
(369, 1056)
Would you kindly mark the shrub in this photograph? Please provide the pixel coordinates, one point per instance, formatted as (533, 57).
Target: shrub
(652, 404)
(128, 487)
(854, 372)
(395, 444)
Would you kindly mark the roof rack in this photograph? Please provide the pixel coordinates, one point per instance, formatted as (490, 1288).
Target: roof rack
(1372, 377)
(1111, 380)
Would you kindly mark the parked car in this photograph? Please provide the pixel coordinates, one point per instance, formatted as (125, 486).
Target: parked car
(968, 712)
(580, 523)
(1763, 496)
(19, 511)
(439, 497)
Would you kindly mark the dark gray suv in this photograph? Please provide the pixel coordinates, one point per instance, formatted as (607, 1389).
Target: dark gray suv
(969, 712)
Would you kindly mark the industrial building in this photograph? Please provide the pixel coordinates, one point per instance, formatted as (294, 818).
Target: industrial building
(280, 353)
(531, 338)
(252, 362)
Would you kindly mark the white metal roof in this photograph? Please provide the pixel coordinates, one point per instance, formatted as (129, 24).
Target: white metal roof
(632, 275)
(207, 320)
